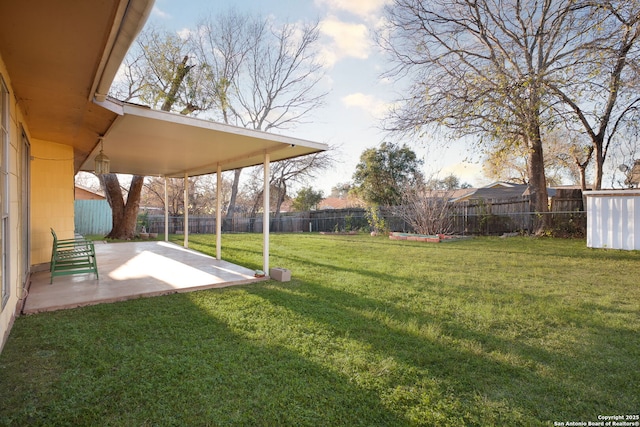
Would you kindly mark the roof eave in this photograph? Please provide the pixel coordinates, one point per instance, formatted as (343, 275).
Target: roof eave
(132, 16)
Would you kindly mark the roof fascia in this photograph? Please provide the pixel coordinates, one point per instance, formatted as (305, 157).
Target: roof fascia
(129, 21)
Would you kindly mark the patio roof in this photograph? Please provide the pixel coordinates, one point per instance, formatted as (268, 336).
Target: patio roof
(143, 141)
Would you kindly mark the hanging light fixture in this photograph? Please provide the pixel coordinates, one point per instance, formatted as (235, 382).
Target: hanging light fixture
(102, 161)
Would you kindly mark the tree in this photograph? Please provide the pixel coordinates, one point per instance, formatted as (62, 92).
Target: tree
(480, 67)
(427, 210)
(162, 71)
(563, 160)
(307, 199)
(449, 182)
(382, 173)
(263, 76)
(156, 73)
(516, 69)
(201, 192)
(602, 91)
(341, 190)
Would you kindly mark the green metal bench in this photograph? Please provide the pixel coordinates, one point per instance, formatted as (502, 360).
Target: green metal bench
(72, 256)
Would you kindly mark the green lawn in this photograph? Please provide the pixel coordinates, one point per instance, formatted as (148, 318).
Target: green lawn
(369, 332)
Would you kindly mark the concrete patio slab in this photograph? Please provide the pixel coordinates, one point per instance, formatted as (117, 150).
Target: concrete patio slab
(134, 270)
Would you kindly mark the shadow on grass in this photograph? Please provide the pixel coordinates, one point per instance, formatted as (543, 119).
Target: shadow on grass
(495, 379)
(562, 359)
(178, 365)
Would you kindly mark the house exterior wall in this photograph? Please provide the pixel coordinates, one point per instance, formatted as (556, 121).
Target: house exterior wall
(14, 267)
(51, 197)
(52, 193)
(613, 219)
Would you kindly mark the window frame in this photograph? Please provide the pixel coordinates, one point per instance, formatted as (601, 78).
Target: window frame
(4, 194)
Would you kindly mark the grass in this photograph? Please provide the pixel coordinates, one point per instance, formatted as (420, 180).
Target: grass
(369, 332)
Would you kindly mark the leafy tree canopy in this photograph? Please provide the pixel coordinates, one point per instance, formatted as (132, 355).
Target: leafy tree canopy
(307, 199)
(449, 182)
(382, 172)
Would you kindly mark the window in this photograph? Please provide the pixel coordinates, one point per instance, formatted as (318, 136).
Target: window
(4, 191)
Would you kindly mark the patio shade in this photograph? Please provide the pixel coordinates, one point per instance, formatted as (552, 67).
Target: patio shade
(142, 141)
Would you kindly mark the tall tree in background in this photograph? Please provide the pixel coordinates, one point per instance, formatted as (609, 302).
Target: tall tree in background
(201, 190)
(307, 199)
(157, 73)
(449, 183)
(223, 43)
(383, 172)
(564, 160)
(264, 76)
(480, 67)
(285, 174)
(601, 91)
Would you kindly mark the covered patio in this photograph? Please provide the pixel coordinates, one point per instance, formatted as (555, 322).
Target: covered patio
(166, 145)
(142, 141)
(134, 270)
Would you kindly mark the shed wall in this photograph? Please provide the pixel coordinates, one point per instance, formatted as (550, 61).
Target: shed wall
(613, 220)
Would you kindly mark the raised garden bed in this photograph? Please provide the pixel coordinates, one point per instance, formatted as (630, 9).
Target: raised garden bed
(340, 233)
(431, 238)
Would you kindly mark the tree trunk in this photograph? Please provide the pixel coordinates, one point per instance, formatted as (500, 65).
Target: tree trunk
(537, 183)
(583, 179)
(582, 168)
(597, 180)
(181, 73)
(123, 215)
(234, 194)
(282, 192)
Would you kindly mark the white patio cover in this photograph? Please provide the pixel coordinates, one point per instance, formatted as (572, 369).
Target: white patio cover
(142, 141)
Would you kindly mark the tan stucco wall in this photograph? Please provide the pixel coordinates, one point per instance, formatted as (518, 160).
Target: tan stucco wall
(52, 191)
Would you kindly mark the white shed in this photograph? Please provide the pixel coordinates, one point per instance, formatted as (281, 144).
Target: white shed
(613, 219)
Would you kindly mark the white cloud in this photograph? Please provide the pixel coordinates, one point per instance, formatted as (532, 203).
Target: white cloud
(185, 33)
(361, 8)
(346, 40)
(369, 103)
(156, 11)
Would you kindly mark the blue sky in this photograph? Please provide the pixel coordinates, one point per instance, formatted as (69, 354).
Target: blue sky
(357, 96)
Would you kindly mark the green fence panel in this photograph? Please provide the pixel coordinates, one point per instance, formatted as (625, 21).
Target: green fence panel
(92, 217)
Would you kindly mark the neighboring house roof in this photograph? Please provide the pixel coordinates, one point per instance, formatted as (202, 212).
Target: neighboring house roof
(460, 193)
(84, 193)
(499, 190)
(338, 203)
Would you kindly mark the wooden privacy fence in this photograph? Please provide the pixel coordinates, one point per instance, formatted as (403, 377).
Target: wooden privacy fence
(492, 216)
(475, 217)
(290, 222)
(498, 216)
(200, 224)
(92, 217)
